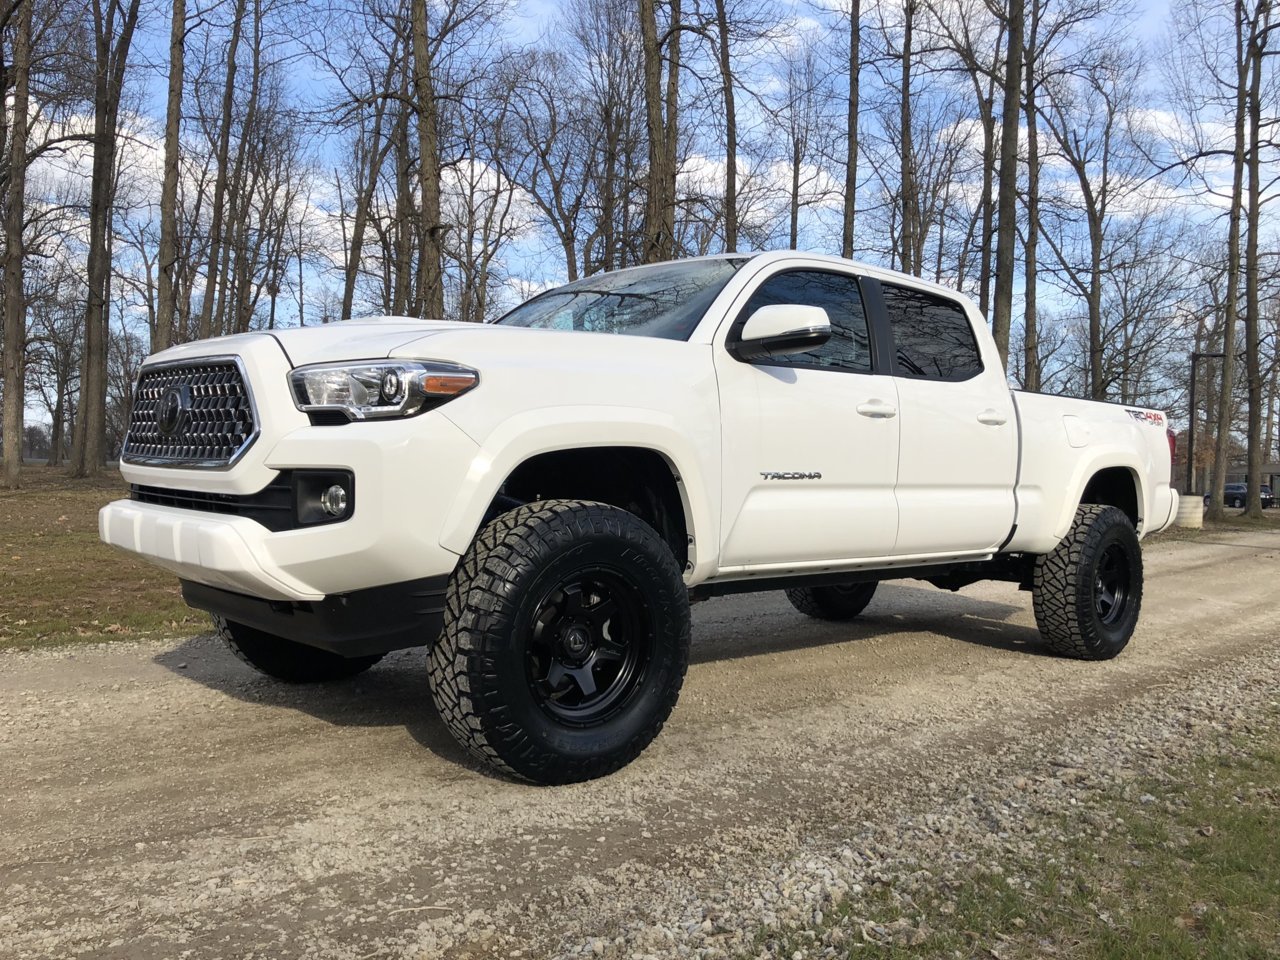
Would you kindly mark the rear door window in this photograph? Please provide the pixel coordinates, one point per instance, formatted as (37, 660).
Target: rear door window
(932, 338)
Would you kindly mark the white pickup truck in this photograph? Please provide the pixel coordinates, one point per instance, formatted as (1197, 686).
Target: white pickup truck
(537, 500)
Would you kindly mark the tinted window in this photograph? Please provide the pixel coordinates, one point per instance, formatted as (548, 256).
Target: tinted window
(849, 347)
(662, 300)
(932, 338)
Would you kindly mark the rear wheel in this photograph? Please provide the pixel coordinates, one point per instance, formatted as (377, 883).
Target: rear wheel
(565, 642)
(1087, 593)
(841, 602)
(288, 660)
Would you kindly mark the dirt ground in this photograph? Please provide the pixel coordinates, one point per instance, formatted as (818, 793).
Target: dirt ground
(161, 800)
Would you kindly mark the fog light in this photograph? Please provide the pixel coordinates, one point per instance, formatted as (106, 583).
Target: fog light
(334, 500)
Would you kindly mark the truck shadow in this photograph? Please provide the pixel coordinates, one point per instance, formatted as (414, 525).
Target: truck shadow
(394, 693)
(770, 625)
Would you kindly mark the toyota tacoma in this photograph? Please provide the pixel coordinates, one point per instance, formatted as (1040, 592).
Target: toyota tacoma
(539, 499)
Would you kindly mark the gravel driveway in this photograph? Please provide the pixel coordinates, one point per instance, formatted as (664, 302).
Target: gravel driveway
(161, 800)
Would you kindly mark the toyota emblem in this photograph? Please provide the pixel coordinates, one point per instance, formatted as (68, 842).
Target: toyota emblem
(172, 409)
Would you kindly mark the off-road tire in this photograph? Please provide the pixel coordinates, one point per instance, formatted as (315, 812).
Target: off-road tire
(482, 676)
(288, 660)
(1065, 586)
(843, 602)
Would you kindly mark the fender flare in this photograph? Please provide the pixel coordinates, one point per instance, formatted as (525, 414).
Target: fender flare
(1086, 470)
(551, 429)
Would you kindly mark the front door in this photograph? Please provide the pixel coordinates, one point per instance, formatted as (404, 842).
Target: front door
(810, 440)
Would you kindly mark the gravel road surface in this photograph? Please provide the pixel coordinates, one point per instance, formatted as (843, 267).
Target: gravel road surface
(161, 800)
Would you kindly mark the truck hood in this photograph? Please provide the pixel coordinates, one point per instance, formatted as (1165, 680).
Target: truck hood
(354, 339)
(330, 342)
(468, 343)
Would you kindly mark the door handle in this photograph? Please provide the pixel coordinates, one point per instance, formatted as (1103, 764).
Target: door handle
(877, 409)
(992, 418)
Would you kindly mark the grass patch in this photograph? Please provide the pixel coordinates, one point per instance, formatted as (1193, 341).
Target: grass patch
(1191, 870)
(60, 584)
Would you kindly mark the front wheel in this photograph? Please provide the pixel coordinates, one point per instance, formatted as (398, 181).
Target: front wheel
(565, 641)
(1087, 593)
(288, 660)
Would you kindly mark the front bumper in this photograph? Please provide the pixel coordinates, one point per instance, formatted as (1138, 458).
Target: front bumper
(224, 552)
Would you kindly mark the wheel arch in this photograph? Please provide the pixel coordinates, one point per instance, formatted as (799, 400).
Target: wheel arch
(1119, 487)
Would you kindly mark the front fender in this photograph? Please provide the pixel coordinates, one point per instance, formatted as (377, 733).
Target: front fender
(549, 429)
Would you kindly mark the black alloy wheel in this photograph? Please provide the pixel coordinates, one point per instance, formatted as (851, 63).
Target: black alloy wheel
(1111, 585)
(588, 646)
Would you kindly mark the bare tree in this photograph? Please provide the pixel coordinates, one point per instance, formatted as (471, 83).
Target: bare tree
(113, 28)
(15, 307)
(1255, 52)
(1089, 117)
(222, 161)
(168, 257)
(662, 121)
(850, 208)
(1007, 198)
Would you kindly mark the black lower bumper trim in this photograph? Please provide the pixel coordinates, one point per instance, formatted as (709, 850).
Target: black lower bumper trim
(354, 624)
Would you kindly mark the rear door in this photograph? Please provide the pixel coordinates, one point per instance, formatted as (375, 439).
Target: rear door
(958, 457)
(810, 441)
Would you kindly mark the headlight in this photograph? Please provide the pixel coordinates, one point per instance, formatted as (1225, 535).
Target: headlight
(378, 390)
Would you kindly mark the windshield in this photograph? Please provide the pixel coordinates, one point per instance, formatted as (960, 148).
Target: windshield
(661, 300)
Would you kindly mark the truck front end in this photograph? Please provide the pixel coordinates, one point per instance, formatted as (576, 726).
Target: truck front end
(305, 500)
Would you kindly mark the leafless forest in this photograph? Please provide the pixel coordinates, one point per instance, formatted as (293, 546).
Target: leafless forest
(1097, 175)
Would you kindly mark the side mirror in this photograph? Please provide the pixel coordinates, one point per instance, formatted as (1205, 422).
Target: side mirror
(781, 329)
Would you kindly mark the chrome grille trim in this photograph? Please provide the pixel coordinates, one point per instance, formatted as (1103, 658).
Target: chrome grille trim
(220, 428)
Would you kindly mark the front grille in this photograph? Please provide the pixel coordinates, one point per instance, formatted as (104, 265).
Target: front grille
(197, 414)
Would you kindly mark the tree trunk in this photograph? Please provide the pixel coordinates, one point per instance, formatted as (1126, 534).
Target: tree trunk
(1030, 331)
(907, 242)
(730, 134)
(432, 280)
(797, 156)
(1252, 321)
(402, 285)
(204, 328)
(1007, 199)
(671, 165)
(164, 333)
(112, 54)
(1222, 442)
(364, 200)
(55, 432)
(15, 307)
(656, 239)
(851, 139)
